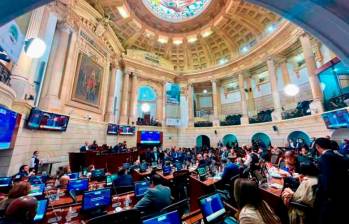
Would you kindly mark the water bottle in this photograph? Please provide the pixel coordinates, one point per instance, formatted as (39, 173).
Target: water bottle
(127, 201)
(57, 194)
(69, 214)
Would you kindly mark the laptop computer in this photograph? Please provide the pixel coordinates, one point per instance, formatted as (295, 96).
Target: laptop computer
(110, 179)
(41, 210)
(213, 211)
(140, 188)
(95, 202)
(167, 218)
(5, 182)
(166, 170)
(98, 174)
(38, 179)
(73, 176)
(78, 185)
(202, 173)
(37, 190)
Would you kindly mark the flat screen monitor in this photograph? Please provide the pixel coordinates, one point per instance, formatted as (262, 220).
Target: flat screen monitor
(140, 188)
(78, 185)
(143, 167)
(179, 166)
(168, 218)
(336, 119)
(5, 181)
(40, 179)
(202, 171)
(74, 176)
(41, 120)
(150, 137)
(166, 169)
(111, 178)
(96, 199)
(41, 210)
(212, 208)
(113, 129)
(127, 130)
(37, 190)
(97, 174)
(9, 124)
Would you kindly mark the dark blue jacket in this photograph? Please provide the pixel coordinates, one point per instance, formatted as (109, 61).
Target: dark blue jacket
(230, 170)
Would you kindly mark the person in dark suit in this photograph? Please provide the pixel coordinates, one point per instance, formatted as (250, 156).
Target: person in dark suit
(85, 147)
(156, 198)
(123, 179)
(333, 192)
(230, 170)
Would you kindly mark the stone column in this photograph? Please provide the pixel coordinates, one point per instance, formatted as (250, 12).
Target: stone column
(251, 107)
(285, 73)
(190, 105)
(125, 99)
(134, 98)
(55, 69)
(215, 102)
(276, 115)
(163, 118)
(244, 109)
(110, 115)
(316, 105)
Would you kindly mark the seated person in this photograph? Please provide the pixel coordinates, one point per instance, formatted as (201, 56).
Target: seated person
(305, 192)
(90, 168)
(94, 146)
(19, 189)
(252, 208)
(156, 198)
(20, 211)
(63, 182)
(85, 147)
(24, 172)
(290, 163)
(123, 178)
(230, 169)
(304, 156)
(200, 161)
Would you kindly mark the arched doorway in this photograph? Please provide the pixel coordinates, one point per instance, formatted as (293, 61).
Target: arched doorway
(229, 140)
(261, 137)
(340, 134)
(299, 134)
(202, 141)
(146, 105)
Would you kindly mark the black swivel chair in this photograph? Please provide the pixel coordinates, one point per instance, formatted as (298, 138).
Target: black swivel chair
(182, 207)
(180, 184)
(124, 189)
(127, 216)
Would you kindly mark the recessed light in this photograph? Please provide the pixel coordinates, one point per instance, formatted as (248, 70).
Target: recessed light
(123, 12)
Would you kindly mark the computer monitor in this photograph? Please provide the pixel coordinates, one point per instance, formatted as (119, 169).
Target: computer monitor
(41, 210)
(166, 170)
(78, 185)
(98, 174)
(140, 188)
(212, 208)
(143, 167)
(37, 190)
(202, 172)
(38, 179)
(111, 178)
(5, 181)
(126, 166)
(97, 199)
(179, 166)
(74, 176)
(168, 218)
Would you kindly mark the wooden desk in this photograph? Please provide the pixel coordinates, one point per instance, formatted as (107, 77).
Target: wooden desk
(110, 161)
(137, 176)
(167, 178)
(198, 188)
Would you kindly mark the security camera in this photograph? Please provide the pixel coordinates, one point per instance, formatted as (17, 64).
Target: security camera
(88, 117)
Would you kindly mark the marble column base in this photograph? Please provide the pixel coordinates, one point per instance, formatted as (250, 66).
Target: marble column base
(244, 120)
(110, 117)
(276, 116)
(216, 123)
(51, 103)
(123, 119)
(316, 107)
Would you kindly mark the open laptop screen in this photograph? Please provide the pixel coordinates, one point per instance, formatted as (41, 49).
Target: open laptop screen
(41, 210)
(5, 181)
(140, 188)
(96, 199)
(37, 190)
(78, 185)
(212, 207)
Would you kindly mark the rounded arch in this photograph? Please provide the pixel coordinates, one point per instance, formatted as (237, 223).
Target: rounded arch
(146, 93)
(203, 141)
(340, 134)
(299, 134)
(229, 140)
(260, 136)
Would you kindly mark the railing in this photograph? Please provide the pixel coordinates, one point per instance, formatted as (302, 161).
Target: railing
(301, 110)
(337, 102)
(144, 122)
(203, 124)
(5, 75)
(233, 119)
(262, 116)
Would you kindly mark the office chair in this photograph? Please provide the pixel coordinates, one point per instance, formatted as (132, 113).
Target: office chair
(182, 207)
(127, 216)
(124, 189)
(181, 183)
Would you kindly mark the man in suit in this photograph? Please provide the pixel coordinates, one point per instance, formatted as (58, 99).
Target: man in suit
(156, 198)
(230, 170)
(85, 147)
(123, 179)
(333, 188)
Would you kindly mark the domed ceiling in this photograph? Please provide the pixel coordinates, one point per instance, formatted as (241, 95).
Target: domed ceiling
(192, 34)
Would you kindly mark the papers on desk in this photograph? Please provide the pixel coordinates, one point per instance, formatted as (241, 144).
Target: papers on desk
(276, 186)
(277, 173)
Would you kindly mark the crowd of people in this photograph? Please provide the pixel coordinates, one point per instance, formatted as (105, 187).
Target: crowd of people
(315, 175)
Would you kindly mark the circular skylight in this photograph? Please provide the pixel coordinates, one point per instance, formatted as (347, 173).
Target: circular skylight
(176, 10)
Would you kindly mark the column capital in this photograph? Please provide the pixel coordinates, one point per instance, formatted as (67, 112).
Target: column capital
(64, 26)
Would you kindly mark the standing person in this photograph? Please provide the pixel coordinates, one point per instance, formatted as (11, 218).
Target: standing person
(332, 193)
(35, 162)
(85, 147)
(344, 150)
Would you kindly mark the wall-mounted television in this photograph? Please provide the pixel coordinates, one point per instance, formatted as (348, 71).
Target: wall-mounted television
(9, 124)
(336, 119)
(150, 137)
(41, 120)
(113, 129)
(127, 130)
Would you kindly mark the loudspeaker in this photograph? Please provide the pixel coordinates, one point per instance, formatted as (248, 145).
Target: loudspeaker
(275, 128)
(215, 132)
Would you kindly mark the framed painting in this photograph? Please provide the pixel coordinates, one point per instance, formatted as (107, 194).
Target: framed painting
(88, 81)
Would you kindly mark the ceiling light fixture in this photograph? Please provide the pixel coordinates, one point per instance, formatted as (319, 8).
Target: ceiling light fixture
(145, 107)
(204, 91)
(206, 32)
(163, 39)
(291, 90)
(244, 49)
(177, 41)
(123, 11)
(35, 47)
(192, 39)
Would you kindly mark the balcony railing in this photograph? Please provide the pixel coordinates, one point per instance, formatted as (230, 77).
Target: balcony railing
(301, 110)
(261, 117)
(337, 102)
(5, 75)
(232, 119)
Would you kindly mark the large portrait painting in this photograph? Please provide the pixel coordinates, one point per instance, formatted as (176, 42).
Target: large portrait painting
(88, 81)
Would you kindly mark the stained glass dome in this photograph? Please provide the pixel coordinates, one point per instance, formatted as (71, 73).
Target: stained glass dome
(176, 10)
